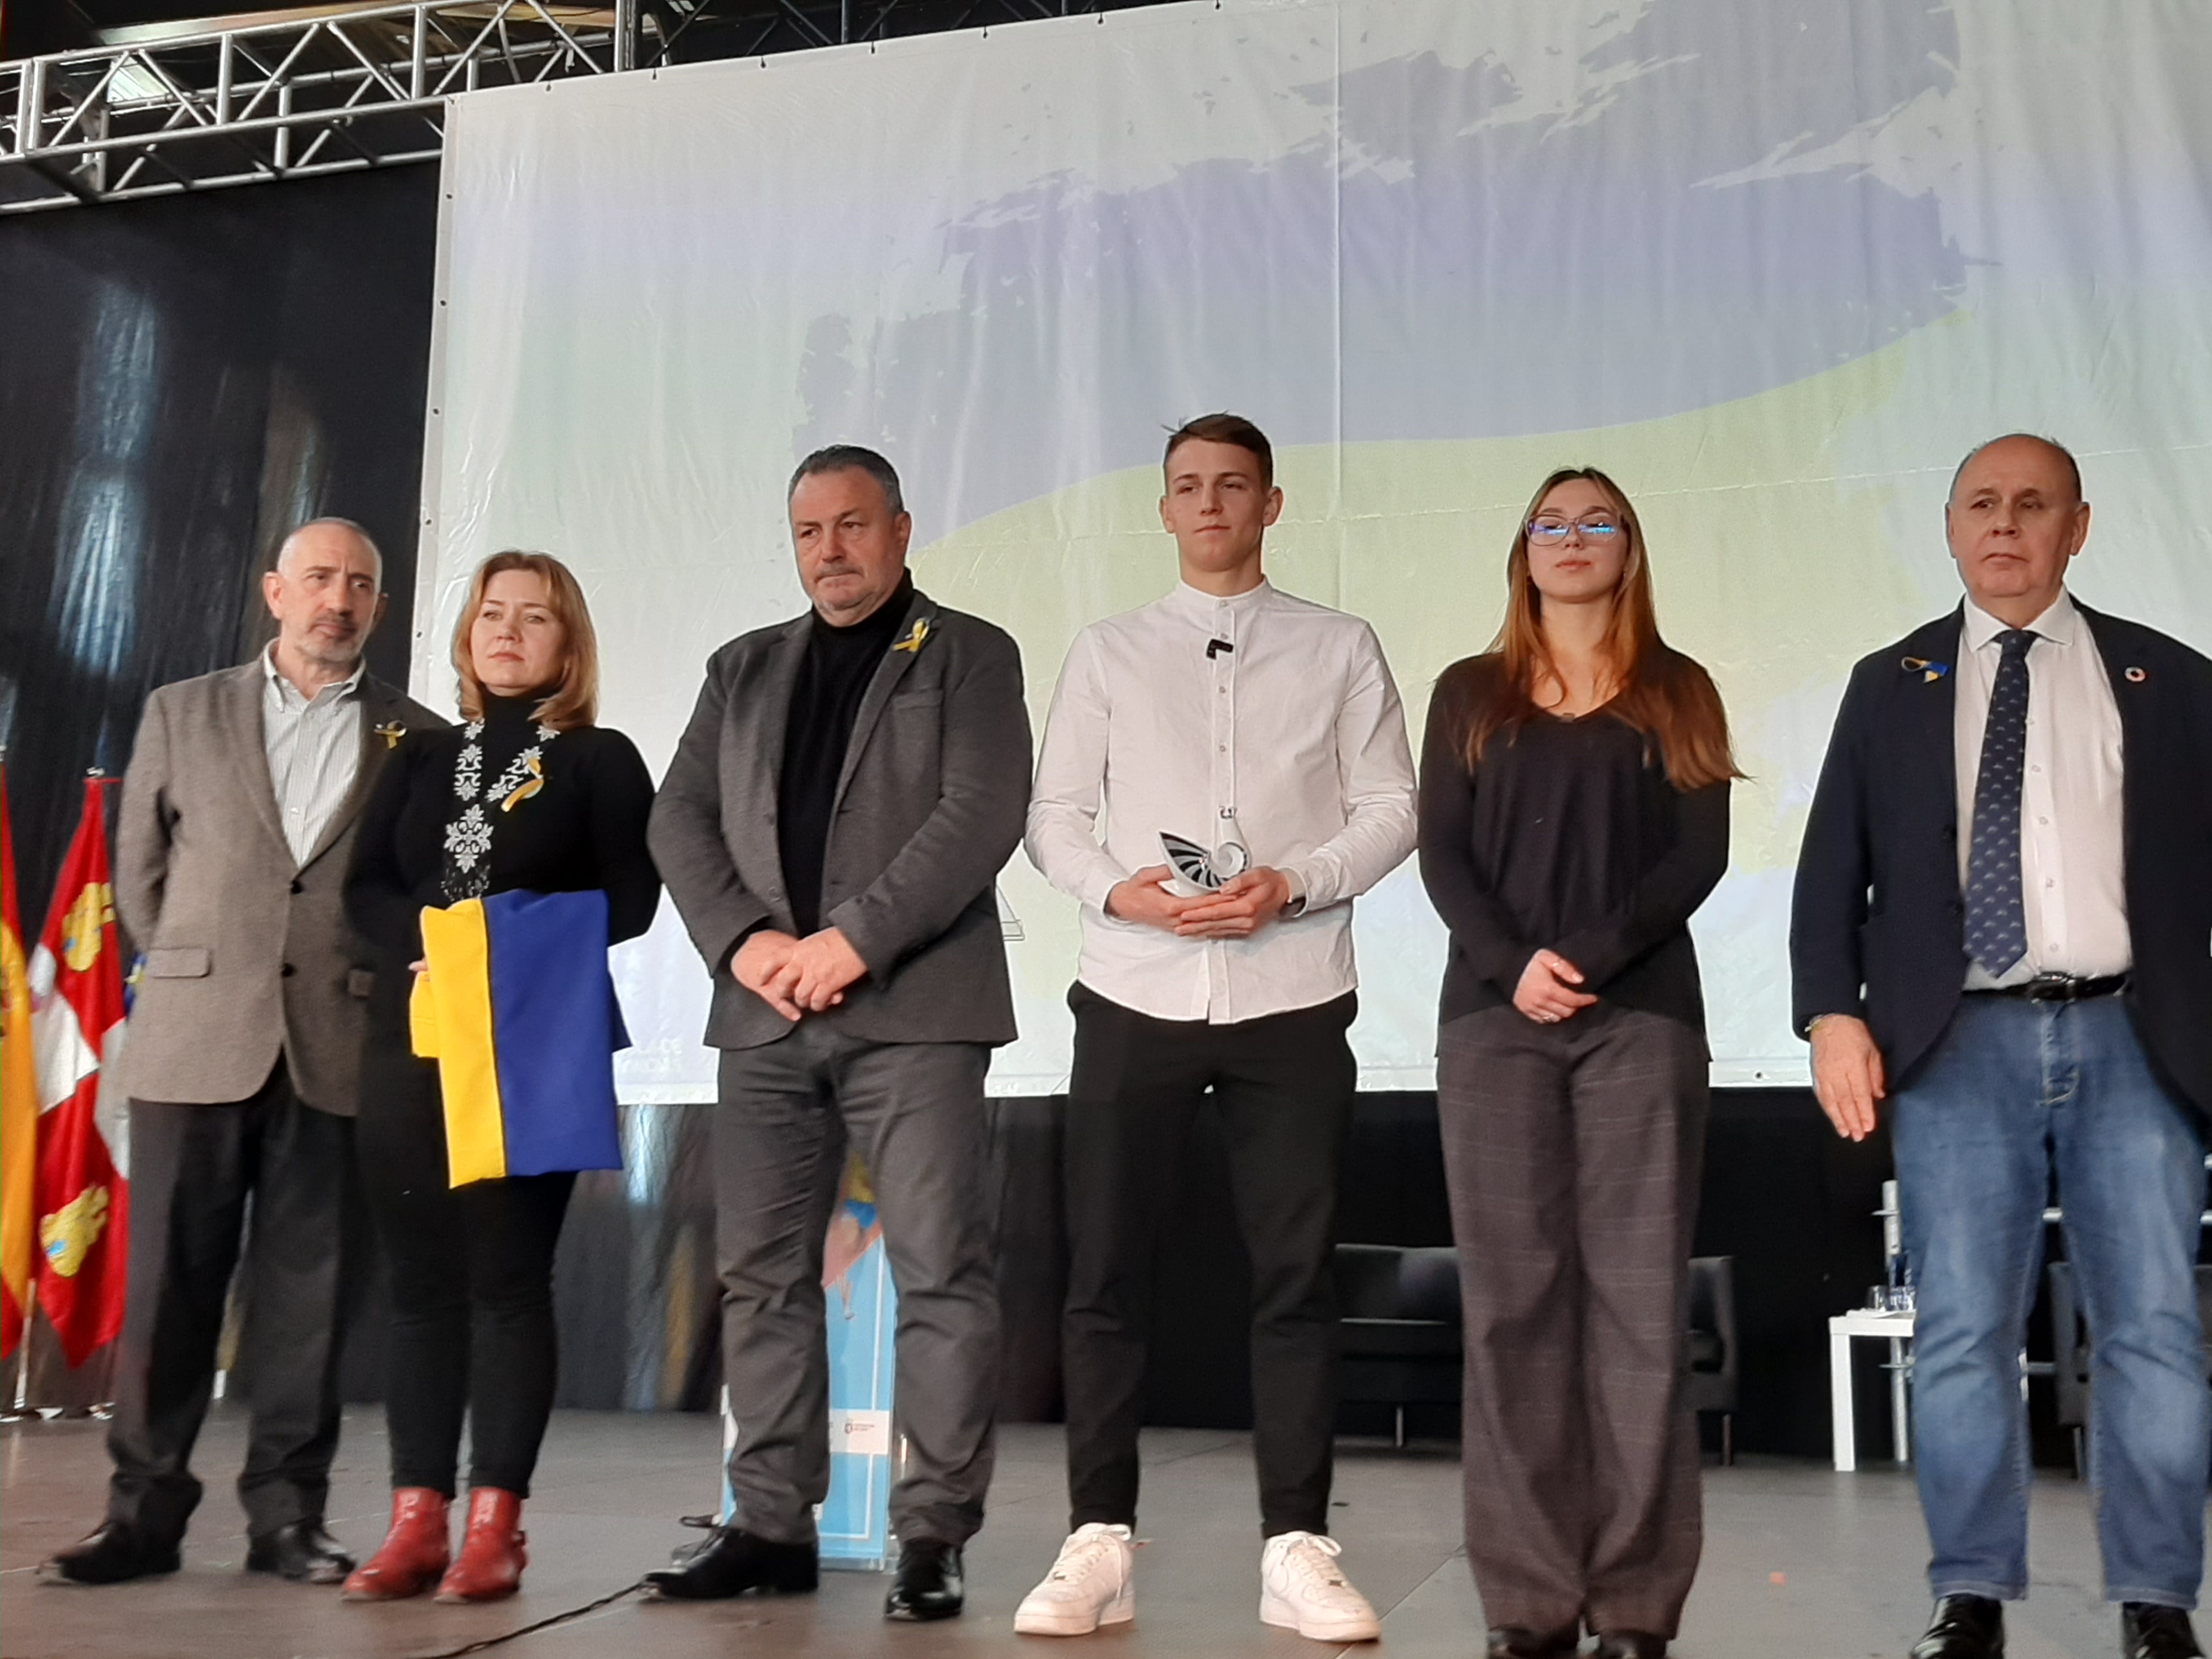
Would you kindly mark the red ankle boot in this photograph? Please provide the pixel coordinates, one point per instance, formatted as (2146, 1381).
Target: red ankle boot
(492, 1556)
(413, 1553)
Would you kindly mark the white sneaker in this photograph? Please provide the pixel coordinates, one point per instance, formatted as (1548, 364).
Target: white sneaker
(1094, 1583)
(1302, 1588)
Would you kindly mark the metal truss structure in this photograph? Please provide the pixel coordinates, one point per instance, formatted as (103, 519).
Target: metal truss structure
(686, 31)
(334, 88)
(325, 90)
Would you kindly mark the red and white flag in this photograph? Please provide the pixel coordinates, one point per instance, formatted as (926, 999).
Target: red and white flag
(83, 1198)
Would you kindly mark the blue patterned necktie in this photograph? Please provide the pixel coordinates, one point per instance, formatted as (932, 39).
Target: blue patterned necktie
(1996, 914)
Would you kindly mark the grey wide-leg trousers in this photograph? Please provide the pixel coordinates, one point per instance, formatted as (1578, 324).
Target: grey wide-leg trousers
(914, 1111)
(1573, 1154)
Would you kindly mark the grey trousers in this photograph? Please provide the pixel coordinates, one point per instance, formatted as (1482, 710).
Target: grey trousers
(914, 1111)
(1573, 1154)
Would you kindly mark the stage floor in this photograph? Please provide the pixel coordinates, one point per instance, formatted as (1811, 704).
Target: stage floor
(1848, 1550)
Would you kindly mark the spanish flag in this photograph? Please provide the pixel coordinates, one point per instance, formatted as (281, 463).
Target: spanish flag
(19, 1102)
(518, 1010)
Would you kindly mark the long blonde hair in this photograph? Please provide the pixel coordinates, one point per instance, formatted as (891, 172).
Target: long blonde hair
(574, 699)
(1658, 691)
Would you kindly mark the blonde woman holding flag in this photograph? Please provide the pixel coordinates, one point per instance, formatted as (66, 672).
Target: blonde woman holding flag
(468, 826)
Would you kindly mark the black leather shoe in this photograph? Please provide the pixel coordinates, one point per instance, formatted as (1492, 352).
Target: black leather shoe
(301, 1552)
(927, 1585)
(2155, 1632)
(1964, 1627)
(733, 1561)
(113, 1552)
(1517, 1642)
(1630, 1644)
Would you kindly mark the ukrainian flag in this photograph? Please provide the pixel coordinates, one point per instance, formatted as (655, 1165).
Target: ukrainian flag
(518, 1011)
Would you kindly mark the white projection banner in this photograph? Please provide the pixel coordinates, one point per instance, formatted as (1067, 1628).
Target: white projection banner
(1774, 263)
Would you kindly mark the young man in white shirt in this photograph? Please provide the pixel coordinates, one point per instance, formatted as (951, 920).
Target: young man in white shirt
(1266, 732)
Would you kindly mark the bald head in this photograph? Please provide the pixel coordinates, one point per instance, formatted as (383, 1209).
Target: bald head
(2050, 447)
(323, 535)
(327, 594)
(2015, 519)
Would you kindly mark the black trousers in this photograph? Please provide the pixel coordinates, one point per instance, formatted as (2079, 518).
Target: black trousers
(472, 1331)
(192, 1167)
(1283, 1085)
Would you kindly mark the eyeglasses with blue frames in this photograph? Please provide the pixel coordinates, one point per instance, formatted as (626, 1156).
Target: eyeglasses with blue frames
(1547, 531)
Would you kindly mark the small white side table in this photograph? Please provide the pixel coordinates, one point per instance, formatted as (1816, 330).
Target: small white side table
(1896, 1330)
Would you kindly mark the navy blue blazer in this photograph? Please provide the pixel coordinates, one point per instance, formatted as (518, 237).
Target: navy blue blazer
(1877, 926)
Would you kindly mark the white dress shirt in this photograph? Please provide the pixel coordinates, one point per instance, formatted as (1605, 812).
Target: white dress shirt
(313, 745)
(1292, 741)
(2072, 866)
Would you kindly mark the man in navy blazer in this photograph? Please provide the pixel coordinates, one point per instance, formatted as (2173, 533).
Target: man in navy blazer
(2002, 926)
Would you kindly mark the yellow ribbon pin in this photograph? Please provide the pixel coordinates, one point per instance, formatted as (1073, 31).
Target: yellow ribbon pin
(391, 731)
(915, 636)
(524, 790)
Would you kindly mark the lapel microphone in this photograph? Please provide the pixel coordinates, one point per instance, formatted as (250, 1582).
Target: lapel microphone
(1215, 648)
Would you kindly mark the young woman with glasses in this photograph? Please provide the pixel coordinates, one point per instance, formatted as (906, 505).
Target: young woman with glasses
(1574, 805)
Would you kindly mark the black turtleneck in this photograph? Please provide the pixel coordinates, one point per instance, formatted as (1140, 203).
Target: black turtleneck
(582, 826)
(833, 677)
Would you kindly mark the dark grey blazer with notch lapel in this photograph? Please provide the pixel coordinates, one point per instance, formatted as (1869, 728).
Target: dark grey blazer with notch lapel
(930, 806)
(248, 952)
(1877, 926)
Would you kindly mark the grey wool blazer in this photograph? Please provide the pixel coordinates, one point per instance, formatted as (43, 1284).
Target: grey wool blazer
(248, 952)
(929, 808)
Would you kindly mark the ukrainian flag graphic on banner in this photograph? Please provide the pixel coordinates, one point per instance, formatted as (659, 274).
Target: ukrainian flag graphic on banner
(518, 1010)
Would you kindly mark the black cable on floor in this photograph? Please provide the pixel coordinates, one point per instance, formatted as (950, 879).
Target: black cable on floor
(569, 1617)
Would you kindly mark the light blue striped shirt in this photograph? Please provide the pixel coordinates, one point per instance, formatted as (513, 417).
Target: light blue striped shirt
(313, 745)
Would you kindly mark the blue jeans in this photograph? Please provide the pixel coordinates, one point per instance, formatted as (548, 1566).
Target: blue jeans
(2014, 1091)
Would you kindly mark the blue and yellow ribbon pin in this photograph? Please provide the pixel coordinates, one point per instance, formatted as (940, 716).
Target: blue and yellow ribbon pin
(1929, 672)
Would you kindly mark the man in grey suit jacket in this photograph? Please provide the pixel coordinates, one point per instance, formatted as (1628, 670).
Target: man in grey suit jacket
(850, 787)
(244, 1060)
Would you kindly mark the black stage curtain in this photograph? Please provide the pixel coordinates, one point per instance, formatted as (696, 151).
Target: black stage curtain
(181, 382)
(1792, 1203)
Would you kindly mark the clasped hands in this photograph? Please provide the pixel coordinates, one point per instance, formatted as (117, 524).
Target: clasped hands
(1547, 992)
(1240, 908)
(798, 976)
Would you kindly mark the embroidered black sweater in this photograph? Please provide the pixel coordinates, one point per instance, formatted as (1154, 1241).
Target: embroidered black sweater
(439, 826)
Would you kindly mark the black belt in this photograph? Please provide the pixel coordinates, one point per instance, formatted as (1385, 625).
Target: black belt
(2059, 987)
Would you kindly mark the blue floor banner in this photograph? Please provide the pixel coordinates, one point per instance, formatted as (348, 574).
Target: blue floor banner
(854, 1521)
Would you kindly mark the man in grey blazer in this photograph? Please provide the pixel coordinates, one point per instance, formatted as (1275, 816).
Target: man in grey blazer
(244, 1060)
(830, 829)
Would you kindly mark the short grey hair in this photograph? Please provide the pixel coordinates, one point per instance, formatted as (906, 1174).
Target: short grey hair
(331, 521)
(850, 457)
(2073, 466)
